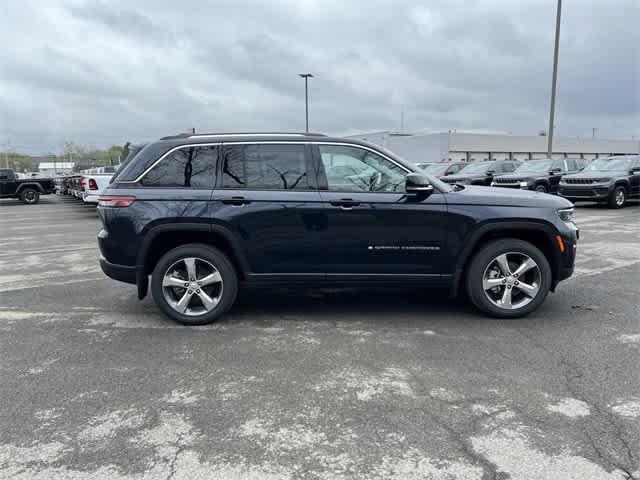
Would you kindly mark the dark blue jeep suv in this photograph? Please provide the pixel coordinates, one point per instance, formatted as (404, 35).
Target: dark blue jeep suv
(200, 214)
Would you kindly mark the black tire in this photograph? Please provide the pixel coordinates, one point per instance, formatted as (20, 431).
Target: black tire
(617, 198)
(484, 258)
(209, 254)
(30, 196)
(542, 188)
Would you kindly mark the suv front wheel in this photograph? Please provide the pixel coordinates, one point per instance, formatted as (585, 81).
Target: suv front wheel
(508, 278)
(194, 284)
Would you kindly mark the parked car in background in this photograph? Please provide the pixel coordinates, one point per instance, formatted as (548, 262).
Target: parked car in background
(28, 190)
(93, 184)
(200, 214)
(608, 180)
(445, 168)
(482, 173)
(540, 175)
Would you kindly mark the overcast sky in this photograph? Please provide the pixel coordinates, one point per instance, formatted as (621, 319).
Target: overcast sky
(104, 72)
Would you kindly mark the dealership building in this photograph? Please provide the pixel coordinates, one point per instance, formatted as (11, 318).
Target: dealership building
(434, 147)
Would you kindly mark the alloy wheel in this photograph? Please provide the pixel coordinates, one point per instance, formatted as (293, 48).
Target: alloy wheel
(620, 197)
(192, 286)
(511, 280)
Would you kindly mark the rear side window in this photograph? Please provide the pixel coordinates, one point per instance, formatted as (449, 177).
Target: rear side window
(191, 167)
(265, 167)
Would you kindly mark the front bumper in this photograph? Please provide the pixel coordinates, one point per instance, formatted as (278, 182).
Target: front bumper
(585, 192)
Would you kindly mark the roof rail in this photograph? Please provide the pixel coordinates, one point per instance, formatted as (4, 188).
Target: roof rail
(243, 134)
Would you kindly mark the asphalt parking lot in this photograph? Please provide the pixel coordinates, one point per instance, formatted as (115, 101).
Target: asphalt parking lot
(313, 384)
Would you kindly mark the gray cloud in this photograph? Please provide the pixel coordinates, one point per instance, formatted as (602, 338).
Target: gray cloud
(106, 72)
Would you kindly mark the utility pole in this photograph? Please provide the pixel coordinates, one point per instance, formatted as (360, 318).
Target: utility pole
(554, 81)
(306, 77)
(402, 119)
(594, 132)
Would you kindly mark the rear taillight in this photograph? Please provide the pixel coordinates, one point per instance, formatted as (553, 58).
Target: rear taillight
(92, 184)
(117, 201)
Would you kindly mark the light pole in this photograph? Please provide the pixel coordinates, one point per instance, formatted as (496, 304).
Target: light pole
(306, 77)
(554, 81)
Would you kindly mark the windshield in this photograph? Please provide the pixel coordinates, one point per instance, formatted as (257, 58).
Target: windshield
(478, 167)
(609, 165)
(535, 166)
(436, 169)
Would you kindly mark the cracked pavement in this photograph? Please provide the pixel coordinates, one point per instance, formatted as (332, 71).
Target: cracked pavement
(332, 384)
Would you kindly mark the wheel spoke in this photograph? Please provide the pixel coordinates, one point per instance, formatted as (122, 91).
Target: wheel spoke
(489, 283)
(503, 263)
(190, 263)
(506, 298)
(171, 281)
(207, 301)
(211, 278)
(183, 303)
(529, 290)
(527, 265)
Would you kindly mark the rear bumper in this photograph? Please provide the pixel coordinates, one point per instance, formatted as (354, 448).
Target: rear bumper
(122, 273)
(90, 198)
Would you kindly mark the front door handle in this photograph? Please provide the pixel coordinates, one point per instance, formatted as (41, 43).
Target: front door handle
(236, 201)
(345, 203)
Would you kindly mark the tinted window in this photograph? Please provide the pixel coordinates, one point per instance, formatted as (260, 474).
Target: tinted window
(192, 167)
(265, 167)
(351, 169)
(455, 169)
(572, 164)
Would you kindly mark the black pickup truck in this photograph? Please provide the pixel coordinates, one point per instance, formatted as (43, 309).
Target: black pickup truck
(28, 190)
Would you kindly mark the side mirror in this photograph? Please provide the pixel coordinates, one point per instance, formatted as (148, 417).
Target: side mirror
(491, 173)
(553, 171)
(418, 184)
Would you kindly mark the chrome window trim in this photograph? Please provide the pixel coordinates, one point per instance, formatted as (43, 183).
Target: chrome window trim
(166, 154)
(275, 142)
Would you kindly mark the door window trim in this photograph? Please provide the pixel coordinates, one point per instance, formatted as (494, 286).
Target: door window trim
(308, 157)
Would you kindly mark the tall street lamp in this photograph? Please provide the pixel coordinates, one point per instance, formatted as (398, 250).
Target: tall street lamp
(306, 77)
(554, 81)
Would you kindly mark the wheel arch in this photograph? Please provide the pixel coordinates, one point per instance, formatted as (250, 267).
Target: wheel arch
(34, 185)
(540, 235)
(162, 238)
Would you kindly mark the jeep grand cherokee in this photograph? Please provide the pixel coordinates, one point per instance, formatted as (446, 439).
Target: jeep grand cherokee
(198, 214)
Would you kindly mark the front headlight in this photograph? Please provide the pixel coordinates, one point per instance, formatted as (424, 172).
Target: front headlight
(524, 184)
(567, 215)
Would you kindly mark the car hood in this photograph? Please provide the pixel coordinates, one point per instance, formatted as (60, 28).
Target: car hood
(457, 178)
(590, 175)
(506, 197)
(521, 177)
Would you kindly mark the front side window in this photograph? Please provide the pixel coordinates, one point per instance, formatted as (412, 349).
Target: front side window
(190, 167)
(265, 167)
(352, 169)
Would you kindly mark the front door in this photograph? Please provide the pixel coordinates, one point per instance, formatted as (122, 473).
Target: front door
(373, 226)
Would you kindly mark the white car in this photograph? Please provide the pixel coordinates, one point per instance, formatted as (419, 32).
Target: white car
(93, 184)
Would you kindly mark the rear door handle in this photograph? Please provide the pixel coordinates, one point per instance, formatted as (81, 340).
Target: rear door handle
(345, 203)
(236, 201)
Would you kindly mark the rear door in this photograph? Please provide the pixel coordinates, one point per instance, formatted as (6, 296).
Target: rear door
(634, 179)
(373, 227)
(8, 183)
(266, 192)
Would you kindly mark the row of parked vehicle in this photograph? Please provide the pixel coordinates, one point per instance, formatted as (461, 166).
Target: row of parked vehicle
(610, 180)
(87, 186)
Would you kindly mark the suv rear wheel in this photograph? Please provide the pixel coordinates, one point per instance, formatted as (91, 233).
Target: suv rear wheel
(508, 278)
(618, 197)
(194, 284)
(29, 196)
